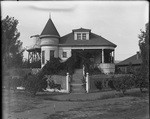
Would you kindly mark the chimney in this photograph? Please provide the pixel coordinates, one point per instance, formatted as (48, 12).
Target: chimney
(137, 55)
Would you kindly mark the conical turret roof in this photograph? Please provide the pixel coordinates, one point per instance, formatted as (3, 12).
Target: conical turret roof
(50, 29)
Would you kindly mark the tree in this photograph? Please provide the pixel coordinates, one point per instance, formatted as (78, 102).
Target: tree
(144, 47)
(11, 46)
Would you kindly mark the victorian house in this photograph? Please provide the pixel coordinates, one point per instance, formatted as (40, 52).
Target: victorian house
(100, 51)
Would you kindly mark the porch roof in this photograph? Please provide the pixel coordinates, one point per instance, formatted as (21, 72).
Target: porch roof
(95, 40)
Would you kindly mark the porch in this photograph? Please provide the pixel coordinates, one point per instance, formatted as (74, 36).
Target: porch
(103, 59)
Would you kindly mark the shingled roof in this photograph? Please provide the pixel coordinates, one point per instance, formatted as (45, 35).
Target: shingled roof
(50, 29)
(95, 40)
(133, 60)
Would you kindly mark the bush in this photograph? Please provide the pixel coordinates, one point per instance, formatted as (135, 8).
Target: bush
(55, 66)
(12, 82)
(35, 82)
(52, 67)
(123, 83)
(140, 79)
(111, 85)
(94, 71)
(98, 85)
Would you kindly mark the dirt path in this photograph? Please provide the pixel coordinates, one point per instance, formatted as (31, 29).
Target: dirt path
(133, 106)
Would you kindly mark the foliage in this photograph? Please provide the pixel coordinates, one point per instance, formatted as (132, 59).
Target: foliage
(56, 66)
(95, 71)
(35, 64)
(117, 70)
(111, 85)
(35, 82)
(70, 65)
(130, 69)
(140, 79)
(11, 46)
(123, 83)
(53, 85)
(98, 85)
(144, 47)
(12, 82)
(52, 67)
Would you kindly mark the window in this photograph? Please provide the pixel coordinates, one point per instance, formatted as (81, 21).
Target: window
(84, 36)
(78, 36)
(43, 57)
(51, 54)
(64, 54)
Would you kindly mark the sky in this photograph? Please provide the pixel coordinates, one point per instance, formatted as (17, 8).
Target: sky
(117, 21)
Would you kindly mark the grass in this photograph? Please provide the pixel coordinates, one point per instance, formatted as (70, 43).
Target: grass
(105, 105)
(127, 107)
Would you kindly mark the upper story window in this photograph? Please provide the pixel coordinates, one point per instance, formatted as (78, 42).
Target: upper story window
(83, 36)
(78, 36)
(51, 53)
(43, 57)
(64, 54)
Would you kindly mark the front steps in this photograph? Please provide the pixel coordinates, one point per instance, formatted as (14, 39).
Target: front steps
(77, 85)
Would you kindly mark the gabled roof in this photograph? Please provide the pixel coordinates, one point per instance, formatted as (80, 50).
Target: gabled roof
(133, 60)
(81, 30)
(95, 40)
(50, 29)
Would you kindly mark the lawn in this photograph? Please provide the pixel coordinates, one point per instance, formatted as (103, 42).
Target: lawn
(98, 105)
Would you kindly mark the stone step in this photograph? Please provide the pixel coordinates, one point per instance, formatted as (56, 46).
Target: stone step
(78, 72)
(77, 77)
(77, 90)
(76, 84)
(76, 81)
(78, 87)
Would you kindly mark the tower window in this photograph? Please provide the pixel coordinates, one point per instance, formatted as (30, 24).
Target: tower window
(84, 36)
(51, 54)
(64, 54)
(43, 57)
(78, 36)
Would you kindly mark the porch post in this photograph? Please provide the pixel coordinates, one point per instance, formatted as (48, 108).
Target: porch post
(83, 71)
(102, 55)
(114, 56)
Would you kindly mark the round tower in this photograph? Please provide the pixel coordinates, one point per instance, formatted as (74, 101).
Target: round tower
(49, 42)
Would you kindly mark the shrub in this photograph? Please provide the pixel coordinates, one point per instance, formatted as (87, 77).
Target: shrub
(52, 66)
(123, 83)
(35, 82)
(98, 85)
(140, 79)
(111, 85)
(55, 66)
(94, 71)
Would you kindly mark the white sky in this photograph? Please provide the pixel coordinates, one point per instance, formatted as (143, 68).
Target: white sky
(117, 21)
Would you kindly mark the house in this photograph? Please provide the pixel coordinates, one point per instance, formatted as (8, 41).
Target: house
(100, 51)
(135, 61)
